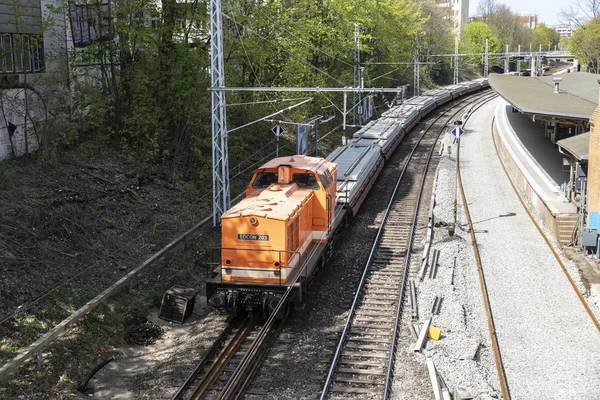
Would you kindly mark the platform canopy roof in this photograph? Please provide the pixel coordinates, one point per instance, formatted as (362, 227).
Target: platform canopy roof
(576, 146)
(577, 99)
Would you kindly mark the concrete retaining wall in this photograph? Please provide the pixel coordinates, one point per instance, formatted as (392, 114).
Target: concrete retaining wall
(542, 194)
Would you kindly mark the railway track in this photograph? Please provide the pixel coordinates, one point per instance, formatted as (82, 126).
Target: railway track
(363, 361)
(228, 367)
(226, 372)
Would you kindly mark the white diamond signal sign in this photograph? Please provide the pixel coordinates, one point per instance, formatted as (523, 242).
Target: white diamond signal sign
(277, 130)
(458, 132)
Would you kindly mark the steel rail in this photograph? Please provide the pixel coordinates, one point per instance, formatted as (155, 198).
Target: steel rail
(562, 265)
(202, 363)
(366, 270)
(488, 309)
(409, 247)
(338, 350)
(219, 364)
(232, 388)
(236, 387)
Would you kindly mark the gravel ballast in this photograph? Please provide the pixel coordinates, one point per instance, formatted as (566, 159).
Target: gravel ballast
(549, 345)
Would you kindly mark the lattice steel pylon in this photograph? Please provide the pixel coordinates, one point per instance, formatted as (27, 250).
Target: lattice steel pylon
(456, 60)
(356, 98)
(220, 158)
(486, 64)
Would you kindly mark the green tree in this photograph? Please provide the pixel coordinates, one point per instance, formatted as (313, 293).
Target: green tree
(508, 28)
(545, 36)
(474, 36)
(585, 45)
(472, 41)
(145, 85)
(437, 38)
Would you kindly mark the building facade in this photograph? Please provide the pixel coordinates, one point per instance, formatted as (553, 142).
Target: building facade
(530, 21)
(564, 30)
(459, 10)
(29, 59)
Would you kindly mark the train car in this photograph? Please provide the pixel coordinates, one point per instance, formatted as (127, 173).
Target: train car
(483, 82)
(407, 115)
(456, 90)
(385, 133)
(276, 236)
(423, 103)
(472, 86)
(358, 168)
(440, 96)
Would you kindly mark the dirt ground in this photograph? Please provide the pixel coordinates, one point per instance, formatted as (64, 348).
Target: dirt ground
(68, 230)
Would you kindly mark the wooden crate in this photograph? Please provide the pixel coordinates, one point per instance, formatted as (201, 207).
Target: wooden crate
(177, 303)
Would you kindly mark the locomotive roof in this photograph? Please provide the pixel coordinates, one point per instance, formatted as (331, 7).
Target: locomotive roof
(275, 202)
(316, 164)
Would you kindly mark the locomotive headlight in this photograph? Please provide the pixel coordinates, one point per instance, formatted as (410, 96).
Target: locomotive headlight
(253, 221)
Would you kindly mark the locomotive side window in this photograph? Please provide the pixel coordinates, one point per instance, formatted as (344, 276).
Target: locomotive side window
(326, 178)
(306, 181)
(264, 179)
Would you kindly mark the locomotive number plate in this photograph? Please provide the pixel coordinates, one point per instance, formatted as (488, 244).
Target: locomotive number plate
(250, 236)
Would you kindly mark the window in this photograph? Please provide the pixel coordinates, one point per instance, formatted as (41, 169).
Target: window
(264, 179)
(306, 181)
(326, 179)
(21, 53)
(89, 23)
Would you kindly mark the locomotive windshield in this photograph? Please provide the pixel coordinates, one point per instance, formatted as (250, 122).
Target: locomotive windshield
(264, 179)
(305, 181)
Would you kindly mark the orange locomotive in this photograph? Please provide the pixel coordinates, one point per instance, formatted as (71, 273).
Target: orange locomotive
(277, 236)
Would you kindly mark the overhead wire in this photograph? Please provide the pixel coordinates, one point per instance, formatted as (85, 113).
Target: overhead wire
(248, 57)
(265, 101)
(232, 17)
(267, 18)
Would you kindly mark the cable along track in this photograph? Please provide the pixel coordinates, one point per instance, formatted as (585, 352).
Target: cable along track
(363, 361)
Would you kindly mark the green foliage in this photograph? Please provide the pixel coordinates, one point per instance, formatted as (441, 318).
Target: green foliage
(585, 45)
(474, 37)
(508, 28)
(545, 36)
(147, 91)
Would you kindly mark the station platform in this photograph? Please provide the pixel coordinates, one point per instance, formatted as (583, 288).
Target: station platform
(537, 170)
